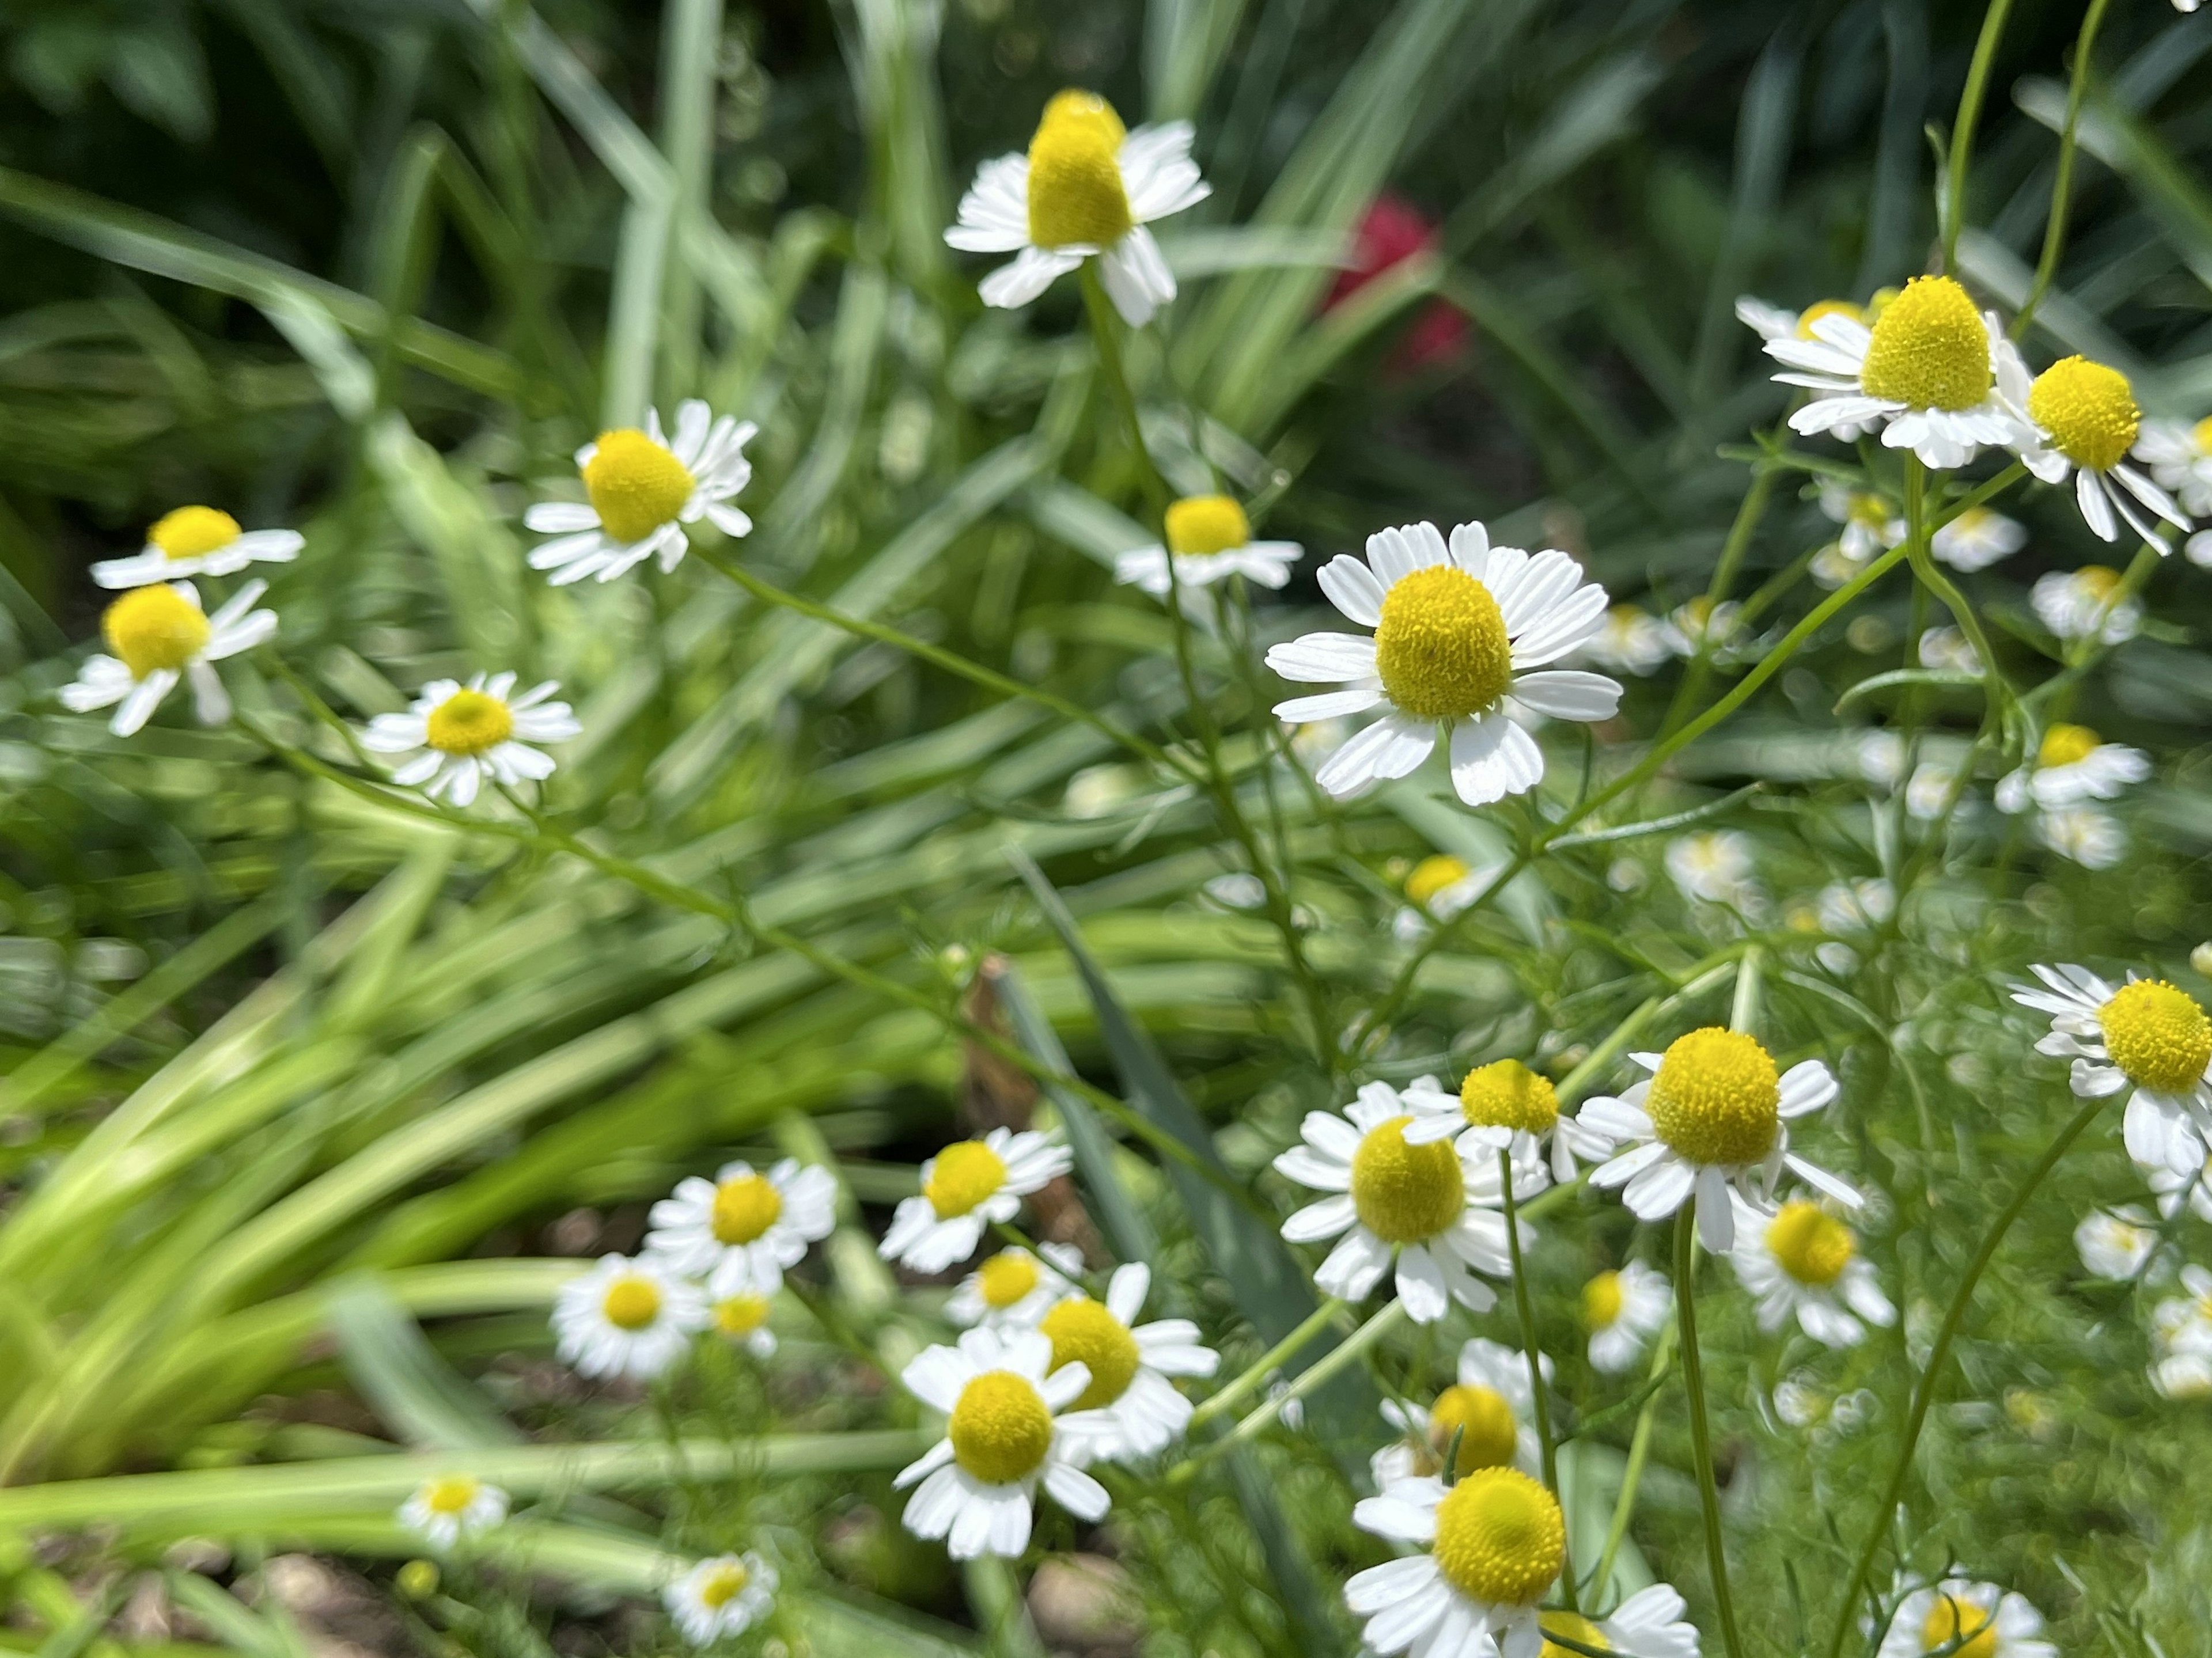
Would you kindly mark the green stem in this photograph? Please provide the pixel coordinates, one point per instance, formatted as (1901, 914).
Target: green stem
(1743, 1013)
(1321, 1372)
(2061, 189)
(1701, 1438)
(1962, 130)
(1747, 515)
(1256, 1374)
(1639, 1449)
(1537, 1391)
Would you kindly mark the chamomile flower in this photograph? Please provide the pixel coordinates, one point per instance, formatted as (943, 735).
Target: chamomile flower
(1870, 522)
(1965, 1620)
(1771, 323)
(1211, 540)
(1923, 374)
(1949, 651)
(2091, 837)
(627, 1317)
(968, 1186)
(160, 635)
(2147, 1036)
(1715, 865)
(1630, 640)
(197, 541)
(1461, 631)
(1087, 189)
(1006, 1432)
(2179, 456)
(2183, 1375)
(1713, 1113)
(2073, 765)
(1500, 1107)
(2117, 1243)
(1440, 887)
(1857, 906)
(1488, 1409)
(1978, 538)
(1648, 1624)
(1130, 1409)
(2085, 603)
(740, 1229)
(1622, 1311)
(642, 489)
(720, 1597)
(1493, 1545)
(1699, 626)
(2081, 417)
(444, 1510)
(1397, 1199)
(1804, 1260)
(1015, 1288)
(2183, 1323)
(2175, 1187)
(740, 1318)
(1933, 789)
(453, 736)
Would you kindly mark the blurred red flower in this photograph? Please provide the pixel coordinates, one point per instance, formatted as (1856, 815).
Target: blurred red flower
(1391, 231)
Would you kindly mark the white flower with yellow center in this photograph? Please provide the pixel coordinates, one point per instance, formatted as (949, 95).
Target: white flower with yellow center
(1503, 1106)
(1006, 1432)
(1963, 1620)
(1487, 1412)
(1648, 1624)
(1870, 520)
(718, 1598)
(1461, 631)
(1438, 887)
(1977, 538)
(2179, 456)
(2117, 1244)
(1699, 626)
(1924, 375)
(627, 1317)
(2091, 837)
(197, 541)
(1803, 1258)
(1949, 651)
(2073, 765)
(2081, 417)
(453, 737)
(1393, 1198)
(641, 489)
(1087, 189)
(2148, 1036)
(2085, 603)
(1772, 323)
(444, 1510)
(1211, 540)
(1493, 1544)
(968, 1186)
(740, 1229)
(2183, 1323)
(1715, 865)
(1630, 640)
(1013, 1289)
(1130, 1409)
(1714, 1113)
(160, 635)
(1622, 1311)
(741, 1319)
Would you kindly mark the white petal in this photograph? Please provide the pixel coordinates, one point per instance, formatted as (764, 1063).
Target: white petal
(1491, 758)
(1351, 587)
(1568, 693)
(1324, 659)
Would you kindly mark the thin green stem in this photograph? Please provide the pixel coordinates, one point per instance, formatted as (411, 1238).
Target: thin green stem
(1538, 1392)
(1321, 1372)
(1748, 514)
(1962, 130)
(1255, 1375)
(1701, 1437)
(1743, 1012)
(2061, 188)
(1639, 1450)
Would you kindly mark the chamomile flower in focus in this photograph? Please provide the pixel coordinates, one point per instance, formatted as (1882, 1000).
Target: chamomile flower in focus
(1086, 189)
(1630, 640)
(1015, 1288)
(740, 1318)
(1713, 864)
(1804, 1260)
(1494, 1543)
(1924, 374)
(1503, 1106)
(2081, 418)
(2148, 1036)
(2116, 1244)
(740, 1229)
(2084, 603)
(1488, 1410)
(1978, 538)
(642, 489)
(1713, 1113)
(1397, 1198)
(2091, 837)
(1129, 1409)
(455, 736)
(2179, 456)
(1648, 1624)
(197, 541)
(1622, 1311)
(1461, 633)
(718, 1598)
(444, 1510)
(1006, 1432)
(1963, 1620)
(160, 635)
(1211, 540)
(968, 1186)
(2072, 765)
(627, 1317)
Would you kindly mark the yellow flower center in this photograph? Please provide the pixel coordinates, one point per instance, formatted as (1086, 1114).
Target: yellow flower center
(745, 1208)
(193, 532)
(1577, 1629)
(1930, 349)
(1500, 1538)
(1076, 193)
(1951, 1618)
(1207, 523)
(2088, 410)
(2066, 745)
(1432, 875)
(2158, 1035)
(1602, 1301)
(2201, 436)
(1488, 1434)
(635, 484)
(963, 1175)
(724, 1584)
(469, 723)
(1716, 1098)
(1441, 647)
(1507, 1094)
(1000, 1428)
(631, 1302)
(1405, 1193)
(1870, 511)
(739, 1316)
(1820, 308)
(451, 1495)
(1813, 1246)
(1082, 1328)
(1006, 1279)
(2097, 581)
(153, 628)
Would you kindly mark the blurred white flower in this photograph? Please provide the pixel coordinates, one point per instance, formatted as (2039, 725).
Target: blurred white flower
(1978, 538)
(1211, 540)
(2175, 1187)
(2091, 837)
(627, 1317)
(1713, 864)
(1955, 1616)
(1489, 1409)
(1238, 889)
(966, 1186)
(2080, 604)
(1804, 1260)
(1855, 906)
(160, 636)
(1929, 794)
(453, 737)
(1948, 651)
(1622, 1311)
(643, 489)
(720, 1597)
(740, 1230)
(2115, 1243)
(2179, 456)
(1630, 641)
(2072, 765)
(197, 541)
(1015, 1287)
(444, 1510)
(1130, 1409)
(741, 1319)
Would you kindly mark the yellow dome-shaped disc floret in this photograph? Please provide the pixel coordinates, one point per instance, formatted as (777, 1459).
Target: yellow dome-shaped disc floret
(1602, 1301)
(1076, 195)
(724, 1584)
(2066, 745)
(1716, 1098)
(2088, 410)
(155, 629)
(635, 484)
(1820, 308)
(1441, 647)
(2201, 436)
(745, 1208)
(1577, 1629)
(1082, 1328)
(1951, 1618)
(1001, 1429)
(1930, 349)
(2158, 1035)
(740, 1314)
(1206, 523)
(1432, 875)
(1006, 1279)
(194, 532)
(965, 1174)
(1507, 1094)
(631, 1302)
(1488, 1434)
(1405, 1193)
(452, 1494)
(1813, 1246)
(469, 723)
(1500, 1538)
